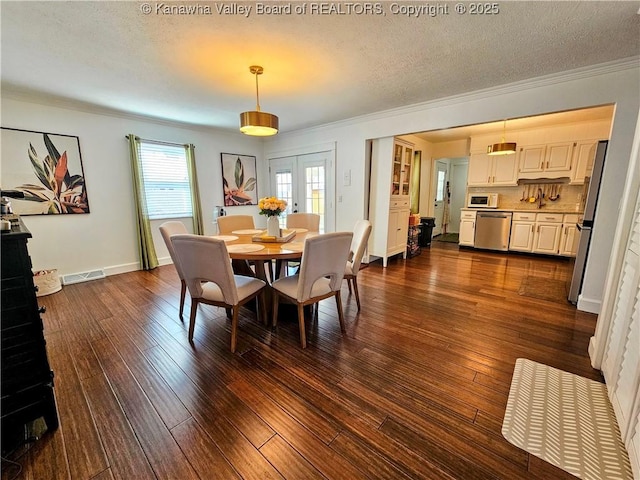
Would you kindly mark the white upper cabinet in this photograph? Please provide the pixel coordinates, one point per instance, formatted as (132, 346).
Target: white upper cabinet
(531, 158)
(556, 151)
(584, 155)
(551, 160)
(402, 159)
(492, 170)
(558, 157)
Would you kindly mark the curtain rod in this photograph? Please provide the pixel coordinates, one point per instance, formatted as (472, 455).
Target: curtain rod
(160, 142)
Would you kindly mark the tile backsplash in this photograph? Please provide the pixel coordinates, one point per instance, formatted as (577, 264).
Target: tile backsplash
(569, 200)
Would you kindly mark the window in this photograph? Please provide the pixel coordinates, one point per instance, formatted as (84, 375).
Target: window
(440, 185)
(166, 180)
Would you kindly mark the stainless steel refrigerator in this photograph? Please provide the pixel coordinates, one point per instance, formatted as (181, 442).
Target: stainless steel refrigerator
(585, 227)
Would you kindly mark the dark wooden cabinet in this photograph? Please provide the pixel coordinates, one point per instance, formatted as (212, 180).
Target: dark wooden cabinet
(27, 380)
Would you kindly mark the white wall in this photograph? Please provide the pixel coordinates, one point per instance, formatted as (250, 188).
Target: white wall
(106, 237)
(613, 83)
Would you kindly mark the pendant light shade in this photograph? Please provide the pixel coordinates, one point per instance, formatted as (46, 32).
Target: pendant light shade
(502, 148)
(257, 123)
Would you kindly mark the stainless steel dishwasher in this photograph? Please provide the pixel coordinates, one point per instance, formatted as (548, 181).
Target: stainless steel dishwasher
(493, 230)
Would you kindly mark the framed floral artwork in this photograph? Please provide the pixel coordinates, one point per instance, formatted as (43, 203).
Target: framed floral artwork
(47, 168)
(239, 179)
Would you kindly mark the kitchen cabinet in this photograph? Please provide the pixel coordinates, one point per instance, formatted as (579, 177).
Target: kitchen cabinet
(583, 157)
(487, 169)
(467, 228)
(401, 178)
(568, 245)
(522, 232)
(389, 208)
(551, 160)
(548, 231)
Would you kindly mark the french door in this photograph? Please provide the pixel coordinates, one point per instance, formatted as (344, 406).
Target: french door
(306, 183)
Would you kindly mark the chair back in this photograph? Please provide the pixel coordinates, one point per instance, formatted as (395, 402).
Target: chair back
(229, 223)
(205, 259)
(323, 256)
(167, 229)
(310, 221)
(361, 233)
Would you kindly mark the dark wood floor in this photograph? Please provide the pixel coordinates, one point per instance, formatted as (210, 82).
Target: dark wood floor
(416, 389)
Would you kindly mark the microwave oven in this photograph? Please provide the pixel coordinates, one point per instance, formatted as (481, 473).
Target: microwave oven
(482, 200)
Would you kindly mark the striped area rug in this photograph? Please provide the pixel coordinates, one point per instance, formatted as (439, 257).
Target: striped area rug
(565, 420)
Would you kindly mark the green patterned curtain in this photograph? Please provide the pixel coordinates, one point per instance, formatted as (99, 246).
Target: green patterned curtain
(147, 252)
(198, 229)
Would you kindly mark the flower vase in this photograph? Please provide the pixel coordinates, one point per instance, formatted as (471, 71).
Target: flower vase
(273, 226)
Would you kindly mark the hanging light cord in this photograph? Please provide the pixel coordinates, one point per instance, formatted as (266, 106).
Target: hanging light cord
(257, 94)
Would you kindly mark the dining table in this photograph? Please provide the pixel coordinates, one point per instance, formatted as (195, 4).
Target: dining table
(252, 245)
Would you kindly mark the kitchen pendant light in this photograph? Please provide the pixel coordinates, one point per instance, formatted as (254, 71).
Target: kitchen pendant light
(257, 123)
(502, 148)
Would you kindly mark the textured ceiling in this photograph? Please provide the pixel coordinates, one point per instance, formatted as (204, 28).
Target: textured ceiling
(319, 68)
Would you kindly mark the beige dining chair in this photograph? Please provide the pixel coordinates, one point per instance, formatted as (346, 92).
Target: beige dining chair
(210, 279)
(167, 229)
(320, 277)
(361, 232)
(229, 223)
(310, 221)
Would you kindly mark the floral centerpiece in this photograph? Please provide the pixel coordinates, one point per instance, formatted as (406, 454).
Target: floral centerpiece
(272, 207)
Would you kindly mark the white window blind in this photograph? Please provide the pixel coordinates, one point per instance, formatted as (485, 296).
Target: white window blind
(166, 180)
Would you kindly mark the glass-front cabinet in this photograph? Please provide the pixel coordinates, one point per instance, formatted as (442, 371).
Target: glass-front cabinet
(401, 176)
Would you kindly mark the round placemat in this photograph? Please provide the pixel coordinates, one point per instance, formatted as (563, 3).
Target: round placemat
(293, 246)
(244, 248)
(247, 231)
(225, 238)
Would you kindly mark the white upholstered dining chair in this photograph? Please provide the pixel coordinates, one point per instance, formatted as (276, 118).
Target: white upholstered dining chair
(210, 279)
(229, 223)
(310, 221)
(361, 232)
(167, 229)
(320, 276)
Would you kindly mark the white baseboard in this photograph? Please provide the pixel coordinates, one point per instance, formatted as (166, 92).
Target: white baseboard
(124, 268)
(132, 267)
(590, 305)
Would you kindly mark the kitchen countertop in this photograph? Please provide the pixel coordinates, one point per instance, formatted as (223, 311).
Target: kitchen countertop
(523, 210)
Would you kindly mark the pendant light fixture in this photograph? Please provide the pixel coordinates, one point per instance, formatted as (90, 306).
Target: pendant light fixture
(502, 148)
(257, 123)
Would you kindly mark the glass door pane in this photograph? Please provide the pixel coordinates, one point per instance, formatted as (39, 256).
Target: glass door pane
(314, 192)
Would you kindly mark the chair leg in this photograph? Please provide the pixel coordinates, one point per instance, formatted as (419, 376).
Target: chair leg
(355, 291)
(340, 313)
(349, 284)
(183, 292)
(234, 328)
(274, 318)
(192, 318)
(303, 336)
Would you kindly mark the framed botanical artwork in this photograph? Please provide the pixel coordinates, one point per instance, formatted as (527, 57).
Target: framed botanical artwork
(47, 168)
(239, 179)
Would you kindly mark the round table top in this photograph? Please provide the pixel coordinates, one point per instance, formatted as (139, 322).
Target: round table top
(272, 250)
